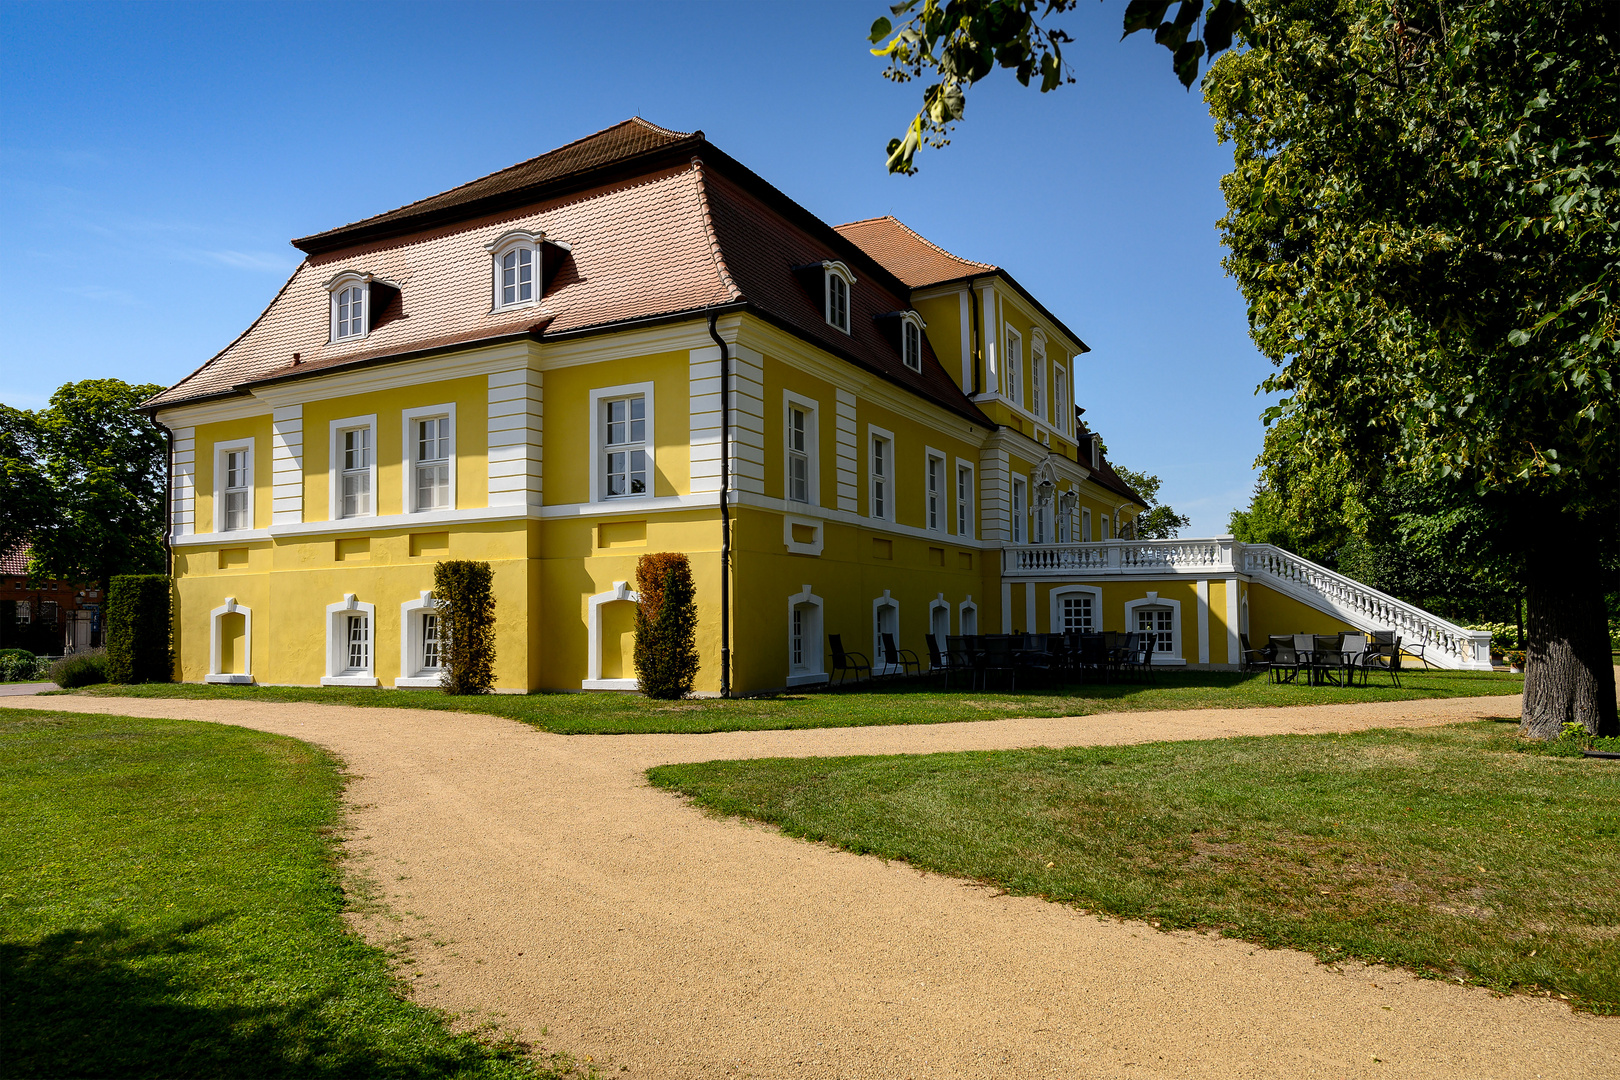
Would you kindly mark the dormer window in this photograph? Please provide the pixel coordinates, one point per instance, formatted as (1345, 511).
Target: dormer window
(839, 282)
(522, 263)
(911, 339)
(359, 303)
(517, 277)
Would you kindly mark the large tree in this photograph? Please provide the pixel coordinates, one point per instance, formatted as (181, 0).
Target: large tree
(85, 482)
(1423, 218)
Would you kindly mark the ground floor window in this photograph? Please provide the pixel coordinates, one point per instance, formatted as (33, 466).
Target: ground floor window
(359, 639)
(1159, 626)
(1077, 615)
(430, 641)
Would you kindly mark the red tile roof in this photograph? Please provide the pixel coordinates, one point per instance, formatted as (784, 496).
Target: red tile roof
(909, 257)
(14, 561)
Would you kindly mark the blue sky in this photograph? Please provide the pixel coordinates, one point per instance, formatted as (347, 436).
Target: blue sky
(156, 158)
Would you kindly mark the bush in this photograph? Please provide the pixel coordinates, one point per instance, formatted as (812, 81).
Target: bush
(1503, 635)
(18, 665)
(666, 626)
(466, 606)
(80, 669)
(138, 629)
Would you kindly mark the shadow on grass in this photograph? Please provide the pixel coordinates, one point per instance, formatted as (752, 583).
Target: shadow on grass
(109, 1001)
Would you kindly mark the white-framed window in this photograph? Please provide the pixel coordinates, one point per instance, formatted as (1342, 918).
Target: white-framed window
(911, 339)
(938, 493)
(1096, 451)
(801, 481)
(350, 646)
(839, 283)
(352, 472)
(1085, 525)
(1159, 617)
(1018, 503)
(1105, 535)
(964, 498)
(1078, 614)
(421, 642)
(1038, 532)
(967, 616)
(622, 435)
(350, 306)
(1015, 367)
(1037, 380)
(1060, 398)
(516, 269)
(880, 455)
(230, 644)
(25, 612)
(806, 660)
(233, 485)
(1159, 625)
(429, 476)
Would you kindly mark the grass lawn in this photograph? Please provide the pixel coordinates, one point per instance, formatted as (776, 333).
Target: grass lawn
(911, 702)
(1456, 851)
(170, 905)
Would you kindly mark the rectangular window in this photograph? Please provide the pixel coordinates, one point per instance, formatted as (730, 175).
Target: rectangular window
(913, 346)
(1037, 376)
(798, 456)
(1157, 624)
(936, 492)
(798, 637)
(432, 451)
(25, 612)
(430, 641)
(1015, 366)
(882, 470)
(1085, 527)
(1077, 614)
(837, 301)
(1060, 398)
(625, 452)
(1018, 511)
(964, 501)
(355, 447)
(238, 490)
(1105, 535)
(1039, 536)
(359, 644)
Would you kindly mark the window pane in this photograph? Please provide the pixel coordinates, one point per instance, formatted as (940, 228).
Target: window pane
(638, 472)
(430, 641)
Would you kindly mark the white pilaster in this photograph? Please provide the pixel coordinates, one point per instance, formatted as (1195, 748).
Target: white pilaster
(183, 510)
(287, 465)
(1030, 626)
(516, 424)
(848, 457)
(1006, 607)
(1234, 652)
(1203, 620)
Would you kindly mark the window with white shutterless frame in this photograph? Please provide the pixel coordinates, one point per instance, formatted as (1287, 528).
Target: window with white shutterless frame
(428, 480)
(1085, 525)
(352, 467)
(880, 467)
(911, 339)
(622, 441)
(1060, 398)
(233, 485)
(1015, 366)
(1037, 377)
(839, 283)
(515, 265)
(801, 449)
(421, 642)
(964, 498)
(936, 491)
(350, 643)
(1018, 504)
(350, 294)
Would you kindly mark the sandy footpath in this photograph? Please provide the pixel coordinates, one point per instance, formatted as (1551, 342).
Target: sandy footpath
(544, 884)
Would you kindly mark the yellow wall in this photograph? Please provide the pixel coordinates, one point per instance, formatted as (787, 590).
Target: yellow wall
(256, 428)
(569, 456)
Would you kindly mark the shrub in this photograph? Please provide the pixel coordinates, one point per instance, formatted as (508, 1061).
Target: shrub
(18, 665)
(466, 607)
(80, 669)
(666, 626)
(138, 629)
(1503, 635)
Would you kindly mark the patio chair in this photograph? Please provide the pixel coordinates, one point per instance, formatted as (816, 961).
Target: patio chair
(1384, 657)
(997, 655)
(896, 657)
(1139, 654)
(844, 662)
(1253, 659)
(1093, 655)
(1326, 659)
(959, 657)
(1353, 653)
(1285, 660)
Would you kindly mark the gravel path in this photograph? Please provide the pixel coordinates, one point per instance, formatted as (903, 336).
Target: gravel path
(544, 884)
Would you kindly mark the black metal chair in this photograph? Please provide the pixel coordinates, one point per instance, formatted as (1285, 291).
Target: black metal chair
(1285, 660)
(1327, 661)
(1093, 654)
(997, 655)
(1353, 655)
(1253, 659)
(959, 657)
(938, 659)
(896, 657)
(1384, 657)
(844, 661)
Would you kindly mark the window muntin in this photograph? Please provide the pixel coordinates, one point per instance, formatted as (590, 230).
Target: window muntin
(357, 644)
(797, 638)
(964, 500)
(1060, 398)
(837, 301)
(349, 305)
(798, 455)
(517, 276)
(432, 450)
(1085, 526)
(1077, 614)
(625, 446)
(237, 491)
(354, 445)
(1159, 625)
(25, 612)
(936, 492)
(882, 473)
(1037, 380)
(431, 654)
(1018, 511)
(1038, 533)
(1015, 367)
(911, 339)
(1105, 535)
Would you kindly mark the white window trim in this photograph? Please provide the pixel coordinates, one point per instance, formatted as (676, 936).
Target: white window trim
(593, 663)
(947, 486)
(220, 450)
(1174, 658)
(812, 447)
(1056, 604)
(408, 449)
(1086, 535)
(879, 665)
(336, 285)
(410, 643)
(911, 318)
(498, 249)
(939, 603)
(962, 611)
(1017, 511)
(216, 644)
(334, 464)
(972, 498)
(1096, 451)
(1106, 534)
(337, 641)
(796, 547)
(599, 449)
(814, 669)
(1013, 342)
(829, 268)
(1060, 399)
(873, 433)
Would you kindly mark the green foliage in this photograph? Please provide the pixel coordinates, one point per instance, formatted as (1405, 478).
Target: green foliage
(1504, 636)
(1157, 522)
(666, 655)
(81, 669)
(466, 606)
(138, 633)
(18, 665)
(84, 481)
(962, 41)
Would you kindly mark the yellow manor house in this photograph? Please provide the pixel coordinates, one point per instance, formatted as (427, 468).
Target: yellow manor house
(528, 370)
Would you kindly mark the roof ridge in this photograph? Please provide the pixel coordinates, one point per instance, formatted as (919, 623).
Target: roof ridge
(708, 230)
(923, 239)
(644, 122)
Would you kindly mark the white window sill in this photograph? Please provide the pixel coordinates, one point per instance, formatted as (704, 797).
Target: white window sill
(233, 680)
(607, 684)
(418, 682)
(813, 679)
(1168, 661)
(349, 680)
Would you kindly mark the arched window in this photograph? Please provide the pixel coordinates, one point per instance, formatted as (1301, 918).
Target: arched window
(806, 660)
(517, 277)
(838, 283)
(515, 262)
(351, 305)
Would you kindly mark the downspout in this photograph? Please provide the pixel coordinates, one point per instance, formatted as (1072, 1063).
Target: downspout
(725, 509)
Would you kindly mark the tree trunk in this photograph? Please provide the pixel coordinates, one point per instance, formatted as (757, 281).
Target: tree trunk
(1569, 676)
